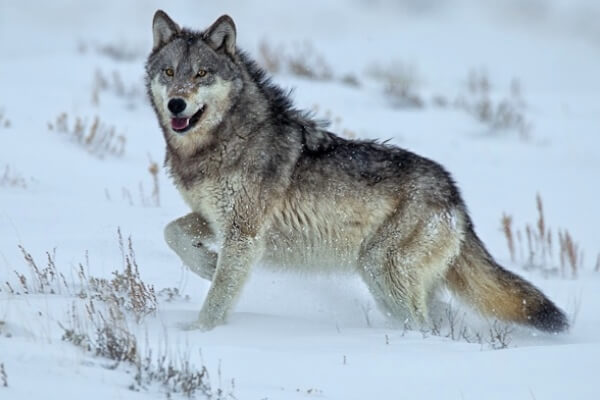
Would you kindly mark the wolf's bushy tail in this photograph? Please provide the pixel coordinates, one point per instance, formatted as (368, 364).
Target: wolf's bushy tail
(475, 277)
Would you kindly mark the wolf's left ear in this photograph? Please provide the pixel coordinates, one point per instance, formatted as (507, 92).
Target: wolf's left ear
(221, 34)
(163, 28)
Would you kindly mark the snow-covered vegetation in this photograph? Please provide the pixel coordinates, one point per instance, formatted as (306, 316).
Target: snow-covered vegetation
(503, 94)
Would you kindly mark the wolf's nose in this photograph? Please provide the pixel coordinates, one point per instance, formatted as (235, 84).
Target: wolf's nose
(176, 105)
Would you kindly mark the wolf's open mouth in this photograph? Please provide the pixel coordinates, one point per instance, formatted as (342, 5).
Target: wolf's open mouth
(181, 125)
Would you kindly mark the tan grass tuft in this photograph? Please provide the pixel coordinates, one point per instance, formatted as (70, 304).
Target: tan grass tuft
(507, 229)
(11, 178)
(568, 260)
(3, 375)
(98, 139)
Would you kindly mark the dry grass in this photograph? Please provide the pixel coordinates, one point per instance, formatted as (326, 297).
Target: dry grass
(126, 290)
(155, 195)
(452, 324)
(121, 51)
(4, 122)
(172, 294)
(3, 375)
(113, 83)
(303, 61)
(100, 320)
(105, 334)
(498, 114)
(97, 138)
(3, 332)
(507, 229)
(103, 331)
(178, 376)
(539, 252)
(400, 82)
(336, 121)
(143, 199)
(314, 391)
(41, 280)
(500, 335)
(12, 178)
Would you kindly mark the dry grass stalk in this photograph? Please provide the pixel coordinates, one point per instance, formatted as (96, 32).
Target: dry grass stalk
(99, 323)
(179, 376)
(506, 114)
(507, 229)
(570, 252)
(500, 335)
(43, 280)
(127, 195)
(153, 169)
(336, 122)
(121, 51)
(96, 138)
(540, 244)
(114, 84)
(11, 178)
(4, 122)
(452, 325)
(271, 59)
(145, 200)
(105, 333)
(307, 63)
(3, 375)
(302, 61)
(172, 294)
(126, 289)
(400, 84)
(9, 288)
(530, 244)
(541, 225)
(105, 336)
(520, 241)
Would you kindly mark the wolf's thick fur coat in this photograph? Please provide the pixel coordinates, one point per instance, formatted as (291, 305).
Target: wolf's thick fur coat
(268, 184)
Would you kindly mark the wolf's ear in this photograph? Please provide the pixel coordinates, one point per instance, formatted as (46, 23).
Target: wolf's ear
(221, 34)
(163, 28)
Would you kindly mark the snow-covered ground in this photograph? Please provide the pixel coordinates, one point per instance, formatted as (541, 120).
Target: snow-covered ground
(294, 337)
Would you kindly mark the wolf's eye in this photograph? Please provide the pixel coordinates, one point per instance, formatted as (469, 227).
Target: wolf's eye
(201, 73)
(169, 72)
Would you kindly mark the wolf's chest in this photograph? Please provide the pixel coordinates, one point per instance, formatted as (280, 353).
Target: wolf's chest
(212, 199)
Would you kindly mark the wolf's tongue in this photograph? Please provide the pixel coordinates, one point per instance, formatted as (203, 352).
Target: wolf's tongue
(180, 123)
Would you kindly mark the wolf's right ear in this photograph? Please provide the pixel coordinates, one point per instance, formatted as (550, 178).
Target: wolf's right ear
(163, 28)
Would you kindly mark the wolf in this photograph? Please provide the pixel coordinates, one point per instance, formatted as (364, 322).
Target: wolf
(267, 183)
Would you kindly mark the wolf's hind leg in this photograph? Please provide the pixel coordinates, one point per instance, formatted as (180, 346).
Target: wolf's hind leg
(404, 263)
(400, 290)
(187, 236)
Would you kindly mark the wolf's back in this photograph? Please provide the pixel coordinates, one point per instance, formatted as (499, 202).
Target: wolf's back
(477, 278)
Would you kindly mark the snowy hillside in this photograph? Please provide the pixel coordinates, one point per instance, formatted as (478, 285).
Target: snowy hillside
(504, 94)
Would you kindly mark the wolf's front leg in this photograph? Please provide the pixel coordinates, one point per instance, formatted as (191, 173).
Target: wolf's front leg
(188, 236)
(233, 268)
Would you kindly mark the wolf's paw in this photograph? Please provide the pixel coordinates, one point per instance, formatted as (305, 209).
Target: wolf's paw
(194, 326)
(202, 324)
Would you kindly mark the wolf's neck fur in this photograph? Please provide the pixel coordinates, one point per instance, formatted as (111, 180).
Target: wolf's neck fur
(261, 105)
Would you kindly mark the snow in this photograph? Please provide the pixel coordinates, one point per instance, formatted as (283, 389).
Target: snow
(294, 337)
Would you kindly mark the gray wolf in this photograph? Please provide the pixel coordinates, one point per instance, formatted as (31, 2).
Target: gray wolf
(268, 184)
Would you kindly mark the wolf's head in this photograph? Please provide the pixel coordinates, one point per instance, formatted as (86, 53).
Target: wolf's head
(192, 78)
